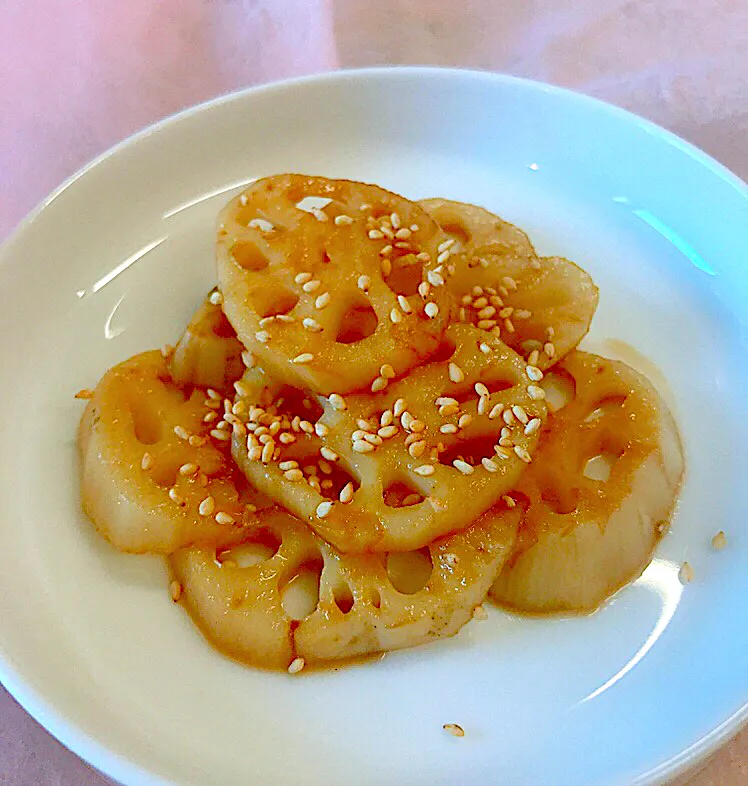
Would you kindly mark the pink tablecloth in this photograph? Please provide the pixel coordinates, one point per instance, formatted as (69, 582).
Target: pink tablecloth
(76, 77)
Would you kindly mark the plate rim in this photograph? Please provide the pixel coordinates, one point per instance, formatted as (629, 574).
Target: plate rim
(68, 733)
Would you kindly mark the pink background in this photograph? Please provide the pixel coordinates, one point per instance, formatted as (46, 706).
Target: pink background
(77, 77)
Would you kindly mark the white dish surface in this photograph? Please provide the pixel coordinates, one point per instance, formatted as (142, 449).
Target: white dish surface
(115, 262)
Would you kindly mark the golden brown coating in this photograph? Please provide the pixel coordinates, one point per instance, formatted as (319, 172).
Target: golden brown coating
(149, 464)
(284, 594)
(395, 470)
(541, 304)
(599, 493)
(325, 295)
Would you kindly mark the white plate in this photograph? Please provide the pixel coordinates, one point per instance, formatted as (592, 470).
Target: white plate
(114, 262)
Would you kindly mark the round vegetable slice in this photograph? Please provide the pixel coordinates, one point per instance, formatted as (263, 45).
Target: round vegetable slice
(320, 279)
(153, 478)
(540, 306)
(600, 492)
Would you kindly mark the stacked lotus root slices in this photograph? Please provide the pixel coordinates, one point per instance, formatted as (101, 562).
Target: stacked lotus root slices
(378, 420)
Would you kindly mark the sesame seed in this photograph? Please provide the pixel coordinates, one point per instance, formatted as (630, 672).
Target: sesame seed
(343, 221)
(536, 393)
(447, 244)
(396, 316)
(549, 349)
(484, 263)
(323, 509)
(319, 214)
(449, 409)
(395, 220)
(443, 257)
(361, 446)
(312, 286)
(520, 414)
(187, 470)
(533, 426)
(481, 389)
(337, 402)
(175, 588)
(243, 200)
(403, 234)
(387, 431)
(286, 438)
(431, 310)
(495, 411)
(456, 374)
(424, 288)
(509, 283)
(534, 373)
(417, 426)
(296, 665)
(302, 278)
(262, 336)
(404, 305)
(303, 358)
(216, 298)
(181, 432)
(328, 453)
(206, 507)
(522, 313)
(375, 234)
(464, 421)
(482, 405)
(399, 407)
(267, 452)
(508, 417)
(485, 324)
(294, 475)
(424, 470)
(261, 224)
(321, 430)
(686, 573)
(522, 454)
(364, 282)
(487, 312)
(484, 348)
(719, 541)
(490, 465)
(147, 461)
(463, 466)
(378, 385)
(480, 614)
(533, 358)
(386, 250)
(386, 267)
(220, 434)
(196, 441)
(174, 496)
(322, 301)
(448, 428)
(506, 312)
(375, 439)
(454, 729)
(510, 502)
(434, 278)
(417, 449)
(286, 465)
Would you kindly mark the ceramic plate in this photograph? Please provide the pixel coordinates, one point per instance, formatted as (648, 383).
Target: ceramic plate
(115, 261)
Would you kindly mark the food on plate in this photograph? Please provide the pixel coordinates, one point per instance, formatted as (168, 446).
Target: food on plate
(600, 493)
(542, 306)
(377, 421)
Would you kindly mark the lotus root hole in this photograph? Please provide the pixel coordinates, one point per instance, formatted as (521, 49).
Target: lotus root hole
(409, 571)
(358, 322)
(147, 425)
(221, 327)
(605, 407)
(271, 301)
(560, 389)
(561, 501)
(373, 598)
(248, 256)
(470, 450)
(263, 547)
(300, 595)
(407, 274)
(343, 597)
(401, 495)
(443, 354)
(292, 401)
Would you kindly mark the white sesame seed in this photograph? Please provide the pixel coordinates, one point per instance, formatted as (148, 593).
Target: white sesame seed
(174, 496)
(481, 389)
(431, 310)
(447, 244)
(509, 283)
(490, 465)
(175, 588)
(378, 385)
(364, 282)
(296, 665)
(343, 221)
(261, 224)
(188, 470)
(220, 434)
(262, 336)
(536, 393)
(337, 402)
(404, 305)
(533, 426)
(286, 465)
(328, 453)
(496, 411)
(387, 431)
(346, 493)
(374, 439)
(434, 278)
(312, 286)
(464, 421)
(463, 466)
(508, 417)
(424, 288)
(534, 373)
(448, 428)
(396, 316)
(424, 470)
(386, 250)
(243, 200)
(294, 475)
(522, 454)
(147, 461)
(522, 313)
(323, 509)
(485, 324)
(533, 357)
(520, 414)
(267, 452)
(482, 405)
(510, 502)
(403, 234)
(686, 573)
(417, 449)
(443, 257)
(487, 312)
(361, 446)
(375, 234)
(456, 374)
(399, 407)
(549, 349)
(302, 278)
(322, 301)
(311, 325)
(321, 430)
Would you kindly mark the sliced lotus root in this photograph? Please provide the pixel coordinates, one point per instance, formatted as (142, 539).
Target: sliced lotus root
(393, 471)
(208, 354)
(320, 280)
(155, 475)
(600, 492)
(540, 306)
(284, 594)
